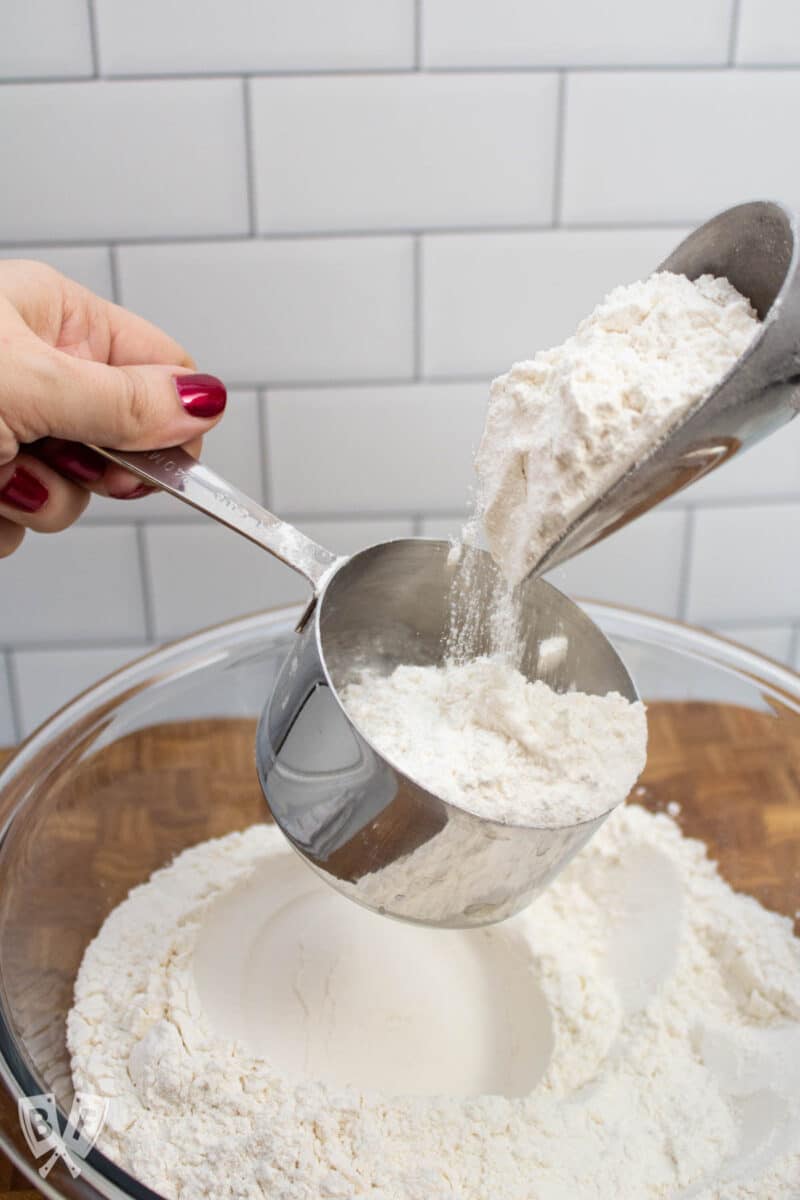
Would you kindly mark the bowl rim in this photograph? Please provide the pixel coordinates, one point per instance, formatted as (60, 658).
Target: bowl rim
(712, 645)
(101, 1178)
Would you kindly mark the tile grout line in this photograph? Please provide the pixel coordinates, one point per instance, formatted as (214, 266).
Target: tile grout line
(726, 623)
(247, 112)
(263, 435)
(377, 514)
(794, 647)
(14, 694)
(417, 306)
(733, 37)
(378, 233)
(94, 39)
(145, 576)
(558, 167)
(331, 384)
(113, 264)
(196, 76)
(59, 645)
(642, 68)
(639, 68)
(686, 565)
(713, 504)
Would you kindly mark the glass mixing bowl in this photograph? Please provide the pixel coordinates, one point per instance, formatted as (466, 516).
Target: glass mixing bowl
(160, 756)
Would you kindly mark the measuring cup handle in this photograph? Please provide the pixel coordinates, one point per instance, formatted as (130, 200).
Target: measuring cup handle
(188, 480)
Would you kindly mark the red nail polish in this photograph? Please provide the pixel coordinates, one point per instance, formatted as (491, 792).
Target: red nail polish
(24, 491)
(143, 489)
(72, 459)
(201, 395)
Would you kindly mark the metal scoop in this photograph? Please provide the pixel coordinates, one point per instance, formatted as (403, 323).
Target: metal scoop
(755, 246)
(369, 829)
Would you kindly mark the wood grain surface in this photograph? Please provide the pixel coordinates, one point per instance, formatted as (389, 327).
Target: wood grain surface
(735, 774)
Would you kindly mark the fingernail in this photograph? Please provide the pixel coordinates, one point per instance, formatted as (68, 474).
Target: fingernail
(142, 490)
(73, 459)
(24, 491)
(201, 395)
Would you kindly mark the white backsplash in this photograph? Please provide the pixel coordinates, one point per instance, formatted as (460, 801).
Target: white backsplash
(356, 214)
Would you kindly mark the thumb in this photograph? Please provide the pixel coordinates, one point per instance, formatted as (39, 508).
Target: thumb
(124, 408)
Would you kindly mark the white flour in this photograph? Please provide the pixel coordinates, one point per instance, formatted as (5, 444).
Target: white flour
(635, 1034)
(552, 652)
(563, 427)
(482, 736)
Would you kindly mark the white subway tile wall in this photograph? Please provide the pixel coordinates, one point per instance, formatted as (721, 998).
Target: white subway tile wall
(84, 584)
(744, 560)
(575, 33)
(45, 38)
(768, 32)
(89, 265)
(412, 445)
(101, 160)
(288, 311)
(416, 150)
(201, 575)
(199, 36)
(490, 299)
(357, 214)
(675, 146)
(47, 679)
(641, 565)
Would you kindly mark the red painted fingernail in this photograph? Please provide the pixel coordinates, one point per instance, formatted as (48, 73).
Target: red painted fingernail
(201, 395)
(72, 459)
(24, 491)
(142, 490)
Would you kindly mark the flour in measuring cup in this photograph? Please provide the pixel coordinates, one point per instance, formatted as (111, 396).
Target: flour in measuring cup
(564, 426)
(482, 736)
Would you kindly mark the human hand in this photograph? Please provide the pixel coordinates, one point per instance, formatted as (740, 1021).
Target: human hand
(75, 369)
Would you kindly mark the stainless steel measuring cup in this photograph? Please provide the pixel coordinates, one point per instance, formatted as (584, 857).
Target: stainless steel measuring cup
(368, 828)
(360, 821)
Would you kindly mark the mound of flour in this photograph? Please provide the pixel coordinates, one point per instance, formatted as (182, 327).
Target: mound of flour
(563, 427)
(482, 736)
(634, 1034)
